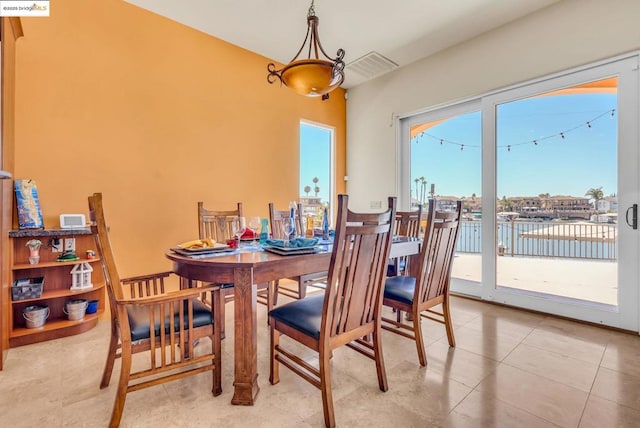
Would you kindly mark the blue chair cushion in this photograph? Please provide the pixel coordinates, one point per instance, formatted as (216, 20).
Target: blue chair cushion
(304, 315)
(400, 288)
(139, 319)
(391, 268)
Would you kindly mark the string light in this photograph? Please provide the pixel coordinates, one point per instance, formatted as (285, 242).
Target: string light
(535, 142)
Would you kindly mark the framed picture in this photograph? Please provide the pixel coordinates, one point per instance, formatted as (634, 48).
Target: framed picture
(29, 213)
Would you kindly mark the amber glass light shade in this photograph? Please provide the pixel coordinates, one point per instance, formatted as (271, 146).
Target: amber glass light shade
(311, 77)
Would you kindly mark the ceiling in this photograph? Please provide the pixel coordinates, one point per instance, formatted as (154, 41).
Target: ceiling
(401, 31)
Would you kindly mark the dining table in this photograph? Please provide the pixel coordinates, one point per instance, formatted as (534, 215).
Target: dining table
(246, 268)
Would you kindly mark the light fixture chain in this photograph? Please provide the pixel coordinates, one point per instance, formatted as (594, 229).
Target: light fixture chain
(312, 10)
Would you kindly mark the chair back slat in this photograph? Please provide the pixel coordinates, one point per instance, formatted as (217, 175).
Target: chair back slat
(216, 224)
(357, 270)
(437, 252)
(408, 223)
(145, 286)
(276, 220)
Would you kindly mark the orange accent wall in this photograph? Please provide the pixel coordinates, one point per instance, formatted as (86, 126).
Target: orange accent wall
(112, 98)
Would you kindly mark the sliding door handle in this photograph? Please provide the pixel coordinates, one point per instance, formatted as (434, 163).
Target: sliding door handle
(634, 219)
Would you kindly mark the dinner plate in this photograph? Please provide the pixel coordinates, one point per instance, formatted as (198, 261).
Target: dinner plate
(290, 251)
(190, 251)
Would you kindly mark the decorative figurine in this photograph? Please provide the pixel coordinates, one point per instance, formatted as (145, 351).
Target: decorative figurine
(68, 256)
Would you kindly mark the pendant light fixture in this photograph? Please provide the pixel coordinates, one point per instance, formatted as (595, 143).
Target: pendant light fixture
(311, 76)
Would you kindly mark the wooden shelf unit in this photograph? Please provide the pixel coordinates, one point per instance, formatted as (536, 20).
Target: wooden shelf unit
(57, 283)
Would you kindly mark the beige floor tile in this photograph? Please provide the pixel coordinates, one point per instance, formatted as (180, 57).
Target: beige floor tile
(604, 413)
(92, 412)
(579, 349)
(623, 356)
(148, 408)
(547, 399)
(491, 345)
(467, 304)
(462, 315)
(367, 407)
(460, 365)
(279, 405)
(576, 329)
(493, 326)
(630, 340)
(430, 394)
(482, 410)
(397, 349)
(28, 363)
(550, 365)
(512, 315)
(617, 386)
(34, 413)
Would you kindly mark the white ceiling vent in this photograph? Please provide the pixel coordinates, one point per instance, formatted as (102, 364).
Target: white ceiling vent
(371, 65)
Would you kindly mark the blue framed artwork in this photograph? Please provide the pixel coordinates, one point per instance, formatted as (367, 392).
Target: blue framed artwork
(29, 212)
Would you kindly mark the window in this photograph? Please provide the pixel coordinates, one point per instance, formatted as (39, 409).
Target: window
(316, 168)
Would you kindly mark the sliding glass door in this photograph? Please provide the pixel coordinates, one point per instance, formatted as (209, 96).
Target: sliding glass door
(553, 218)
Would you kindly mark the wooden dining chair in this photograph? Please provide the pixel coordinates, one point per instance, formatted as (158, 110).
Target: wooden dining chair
(276, 220)
(217, 225)
(178, 318)
(348, 311)
(408, 223)
(430, 288)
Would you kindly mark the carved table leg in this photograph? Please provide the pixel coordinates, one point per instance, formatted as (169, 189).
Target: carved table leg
(246, 338)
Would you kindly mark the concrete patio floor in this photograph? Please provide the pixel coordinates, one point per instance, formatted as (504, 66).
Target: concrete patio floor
(590, 280)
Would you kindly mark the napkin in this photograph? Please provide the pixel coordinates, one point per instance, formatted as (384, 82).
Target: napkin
(249, 234)
(294, 243)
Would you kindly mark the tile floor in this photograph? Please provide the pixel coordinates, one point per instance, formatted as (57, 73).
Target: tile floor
(510, 369)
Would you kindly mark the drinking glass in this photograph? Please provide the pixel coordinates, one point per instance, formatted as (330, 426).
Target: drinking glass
(254, 226)
(288, 227)
(238, 227)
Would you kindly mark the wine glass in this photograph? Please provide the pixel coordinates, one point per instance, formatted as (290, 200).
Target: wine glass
(238, 227)
(254, 226)
(288, 227)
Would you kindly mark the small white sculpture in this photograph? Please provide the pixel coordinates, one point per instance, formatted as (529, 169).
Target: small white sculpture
(81, 276)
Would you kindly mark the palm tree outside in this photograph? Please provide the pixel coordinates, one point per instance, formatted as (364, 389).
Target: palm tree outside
(505, 204)
(596, 194)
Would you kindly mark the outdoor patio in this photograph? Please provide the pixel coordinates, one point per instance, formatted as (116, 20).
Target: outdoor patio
(591, 280)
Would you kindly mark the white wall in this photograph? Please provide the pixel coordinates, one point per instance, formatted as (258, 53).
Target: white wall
(565, 35)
